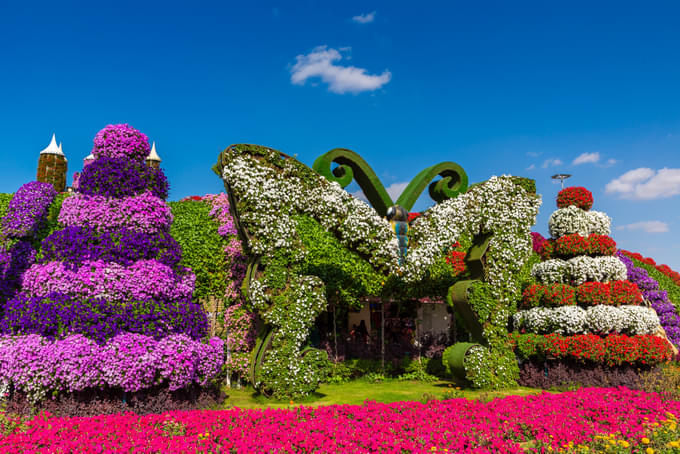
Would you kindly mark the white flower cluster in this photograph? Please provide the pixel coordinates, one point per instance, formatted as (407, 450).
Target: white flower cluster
(600, 319)
(572, 219)
(273, 197)
(497, 206)
(578, 270)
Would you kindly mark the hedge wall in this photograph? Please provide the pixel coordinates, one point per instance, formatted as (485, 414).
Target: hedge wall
(202, 246)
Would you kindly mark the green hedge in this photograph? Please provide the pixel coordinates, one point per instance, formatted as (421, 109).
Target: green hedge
(202, 246)
(4, 203)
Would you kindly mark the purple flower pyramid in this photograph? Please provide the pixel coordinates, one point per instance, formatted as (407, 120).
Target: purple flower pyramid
(107, 304)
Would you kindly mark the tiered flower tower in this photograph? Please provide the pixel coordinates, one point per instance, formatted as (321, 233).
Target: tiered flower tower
(583, 311)
(107, 307)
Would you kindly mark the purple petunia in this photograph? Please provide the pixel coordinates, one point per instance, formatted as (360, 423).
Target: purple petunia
(27, 211)
(144, 279)
(143, 213)
(75, 245)
(132, 362)
(121, 177)
(56, 315)
(121, 141)
(668, 315)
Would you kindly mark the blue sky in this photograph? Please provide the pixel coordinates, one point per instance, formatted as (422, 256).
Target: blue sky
(531, 89)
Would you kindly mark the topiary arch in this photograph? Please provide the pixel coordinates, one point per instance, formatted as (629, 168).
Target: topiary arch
(284, 211)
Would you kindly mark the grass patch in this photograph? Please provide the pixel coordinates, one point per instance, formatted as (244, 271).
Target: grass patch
(356, 392)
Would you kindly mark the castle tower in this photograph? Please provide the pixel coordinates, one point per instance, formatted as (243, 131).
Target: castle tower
(153, 160)
(52, 166)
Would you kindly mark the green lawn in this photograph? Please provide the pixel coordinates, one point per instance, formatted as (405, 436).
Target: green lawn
(357, 391)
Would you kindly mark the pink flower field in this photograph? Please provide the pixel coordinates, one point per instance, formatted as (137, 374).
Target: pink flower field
(508, 425)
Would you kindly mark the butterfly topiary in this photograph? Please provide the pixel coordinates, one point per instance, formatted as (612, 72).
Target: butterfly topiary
(313, 245)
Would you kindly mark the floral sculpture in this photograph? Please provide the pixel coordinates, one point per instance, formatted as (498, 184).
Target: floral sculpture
(583, 307)
(107, 305)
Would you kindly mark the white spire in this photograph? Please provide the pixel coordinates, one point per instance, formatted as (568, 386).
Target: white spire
(52, 148)
(89, 157)
(153, 156)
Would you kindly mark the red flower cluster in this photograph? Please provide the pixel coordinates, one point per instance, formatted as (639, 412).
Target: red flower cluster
(615, 293)
(456, 258)
(613, 350)
(575, 244)
(575, 195)
(412, 216)
(665, 269)
(197, 198)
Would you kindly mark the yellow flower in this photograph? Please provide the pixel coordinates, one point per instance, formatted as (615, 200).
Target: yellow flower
(674, 444)
(649, 451)
(645, 441)
(624, 443)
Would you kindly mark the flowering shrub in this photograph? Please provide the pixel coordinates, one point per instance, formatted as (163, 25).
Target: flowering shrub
(579, 269)
(75, 245)
(56, 315)
(121, 141)
(122, 177)
(143, 213)
(611, 350)
(575, 244)
(513, 425)
(537, 242)
(573, 220)
(412, 216)
(143, 280)
(668, 314)
(456, 259)
(36, 365)
(665, 269)
(576, 196)
(14, 261)
(599, 319)
(614, 293)
(28, 209)
(236, 266)
(240, 333)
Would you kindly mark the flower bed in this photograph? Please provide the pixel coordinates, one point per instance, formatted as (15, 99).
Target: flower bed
(613, 293)
(600, 319)
(28, 209)
(132, 362)
(510, 425)
(668, 314)
(665, 269)
(76, 245)
(143, 213)
(575, 195)
(575, 244)
(144, 279)
(613, 350)
(122, 177)
(57, 315)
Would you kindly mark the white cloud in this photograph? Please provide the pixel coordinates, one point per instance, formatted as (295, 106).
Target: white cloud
(610, 162)
(395, 190)
(646, 226)
(534, 154)
(646, 184)
(584, 158)
(364, 18)
(531, 167)
(552, 162)
(320, 62)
